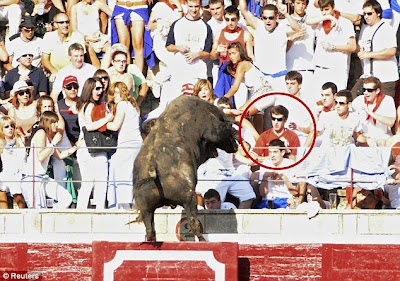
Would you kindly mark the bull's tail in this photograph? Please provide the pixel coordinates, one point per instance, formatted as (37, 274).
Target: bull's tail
(138, 219)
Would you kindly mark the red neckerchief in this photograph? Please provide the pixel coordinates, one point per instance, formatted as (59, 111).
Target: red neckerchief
(172, 6)
(325, 109)
(326, 24)
(379, 99)
(227, 30)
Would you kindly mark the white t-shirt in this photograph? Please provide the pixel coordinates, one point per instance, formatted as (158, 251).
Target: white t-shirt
(337, 131)
(195, 34)
(297, 114)
(278, 188)
(369, 129)
(337, 36)
(300, 54)
(81, 74)
(270, 48)
(19, 46)
(385, 37)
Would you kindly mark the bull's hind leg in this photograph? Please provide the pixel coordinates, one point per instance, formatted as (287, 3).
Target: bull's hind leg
(147, 198)
(191, 213)
(148, 220)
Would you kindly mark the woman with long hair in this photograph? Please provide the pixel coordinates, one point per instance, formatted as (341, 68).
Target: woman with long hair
(126, 122)
(36, 185)
(43, 104)
(13, 158)
(241, 67)
(105, 80)
(93, 166)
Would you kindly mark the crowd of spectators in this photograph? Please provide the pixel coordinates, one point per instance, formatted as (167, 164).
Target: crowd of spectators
(332, 64)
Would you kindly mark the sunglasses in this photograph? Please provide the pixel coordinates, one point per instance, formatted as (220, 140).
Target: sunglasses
(63, 22)
(23, 93)
(70, 87)
(98, 88)
(341, 102)
(27, 55)
(369, 90)
(26, 29)
(231, 19)
(8, 126)
(277, 119)
(268, 18)
(103, 77)
(368, 14)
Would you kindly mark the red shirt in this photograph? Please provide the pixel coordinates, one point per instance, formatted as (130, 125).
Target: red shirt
(222, 40)
(269, 135)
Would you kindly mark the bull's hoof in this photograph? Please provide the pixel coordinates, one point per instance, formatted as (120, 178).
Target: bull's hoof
(150, 239)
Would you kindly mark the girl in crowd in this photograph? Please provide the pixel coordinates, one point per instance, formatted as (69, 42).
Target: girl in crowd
(126, 122)
(93, 166)
(12, 154)
(240, 66)
(85, 19)
(36, 185)
(204, 90)
(46, 103)
(118, 71)
(23, 110)
(105, 81)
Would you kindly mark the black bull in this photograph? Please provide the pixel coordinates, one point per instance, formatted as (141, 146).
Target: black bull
(165, 171)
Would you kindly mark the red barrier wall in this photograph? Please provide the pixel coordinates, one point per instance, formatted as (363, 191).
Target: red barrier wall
(247, 262)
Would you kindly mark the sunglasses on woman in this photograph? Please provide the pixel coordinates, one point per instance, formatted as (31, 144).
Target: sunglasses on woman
(8, 126)
(24, 92)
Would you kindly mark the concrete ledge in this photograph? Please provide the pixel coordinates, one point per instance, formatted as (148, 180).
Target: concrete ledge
(242, 226)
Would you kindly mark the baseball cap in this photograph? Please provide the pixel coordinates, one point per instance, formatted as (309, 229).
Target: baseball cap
(69, 80)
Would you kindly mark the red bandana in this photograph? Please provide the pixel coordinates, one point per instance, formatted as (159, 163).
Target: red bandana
(379, 99)
(326, 24)
(227, 30)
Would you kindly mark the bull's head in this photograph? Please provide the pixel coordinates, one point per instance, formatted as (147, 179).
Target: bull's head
(221, 135)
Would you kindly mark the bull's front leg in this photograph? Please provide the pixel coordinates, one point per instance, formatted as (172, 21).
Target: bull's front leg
(191, 213)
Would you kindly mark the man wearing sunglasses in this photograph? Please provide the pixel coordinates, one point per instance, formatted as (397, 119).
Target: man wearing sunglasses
(229, 34)
(67, 107)
(377, 47)
(24, 40)
(340, 127)
(25, 71)
(270, 41)
(377, 113)
(279, 116)
(56, 43)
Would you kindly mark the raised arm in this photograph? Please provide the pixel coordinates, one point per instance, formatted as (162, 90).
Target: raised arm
(248, 16)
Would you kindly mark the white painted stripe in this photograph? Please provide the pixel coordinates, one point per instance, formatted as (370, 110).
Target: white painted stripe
(161, 255)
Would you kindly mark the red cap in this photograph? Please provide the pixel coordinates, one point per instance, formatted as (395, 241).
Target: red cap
(70, 79)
